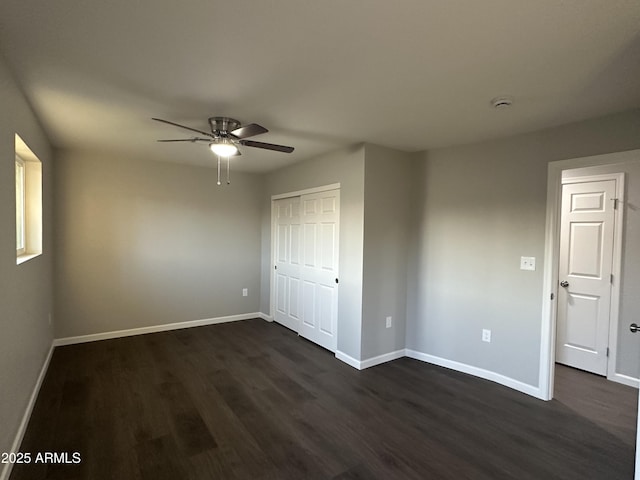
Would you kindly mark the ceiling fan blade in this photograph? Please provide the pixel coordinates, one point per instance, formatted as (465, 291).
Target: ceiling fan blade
(250, 130)
(192, 140)
(182, 126)
(267, 146)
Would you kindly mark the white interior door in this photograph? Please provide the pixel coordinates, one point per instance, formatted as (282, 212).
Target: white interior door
(287, 283)
(585, 269)
(319, 217)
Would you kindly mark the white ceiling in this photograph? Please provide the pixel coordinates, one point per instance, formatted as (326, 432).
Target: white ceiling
(411, 74)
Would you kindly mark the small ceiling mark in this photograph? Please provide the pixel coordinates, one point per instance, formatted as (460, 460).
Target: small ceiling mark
(502, 102)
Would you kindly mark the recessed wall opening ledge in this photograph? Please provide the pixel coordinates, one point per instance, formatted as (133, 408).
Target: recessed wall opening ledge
(28, 169)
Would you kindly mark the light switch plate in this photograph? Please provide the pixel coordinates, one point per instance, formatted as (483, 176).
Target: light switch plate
(527, 263)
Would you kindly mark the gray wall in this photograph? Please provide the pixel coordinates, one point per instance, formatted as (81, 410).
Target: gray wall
(628, 354)
(347, 168)
(26, 289)
(141, 243)
(481, 207)
(387, 217)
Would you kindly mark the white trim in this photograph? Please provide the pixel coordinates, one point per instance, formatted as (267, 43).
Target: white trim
(24, 257)
(616, 269)
(591, 178)
(532, 390)
(625, 380)
(636, 475)
(525, 388)
(6, 470)
(20, 252)
(306, 191)
(370, 362)
(272, 261)
(153, 329)
(549, 285)
(265, 317)
(348, 360)
(384, 358)
(477, 372)
(550, 274)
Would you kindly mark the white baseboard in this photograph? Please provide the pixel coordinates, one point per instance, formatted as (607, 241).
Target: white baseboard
(265, 317)
(369, 362)
(348, 360)
(6, 471)
(153, 329)
(387, 357)
(532, 390)
(625, 380)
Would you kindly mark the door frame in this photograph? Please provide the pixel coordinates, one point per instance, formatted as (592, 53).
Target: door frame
(551, 263)
(272, 259)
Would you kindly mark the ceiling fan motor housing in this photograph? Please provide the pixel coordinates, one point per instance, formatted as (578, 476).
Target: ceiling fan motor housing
(223, 125)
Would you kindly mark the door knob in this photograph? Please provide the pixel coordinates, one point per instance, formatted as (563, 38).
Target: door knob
(634, 328)
(564, 284)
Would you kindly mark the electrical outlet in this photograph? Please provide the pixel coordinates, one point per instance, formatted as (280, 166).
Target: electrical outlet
(245, 292)
(486, 335)
(527, 263)
(389, 322)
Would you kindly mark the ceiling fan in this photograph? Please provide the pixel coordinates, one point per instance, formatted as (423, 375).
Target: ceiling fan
(226, 135)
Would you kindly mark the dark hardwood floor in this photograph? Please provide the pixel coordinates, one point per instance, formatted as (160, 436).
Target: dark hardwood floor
(251, 400)
(610, 405)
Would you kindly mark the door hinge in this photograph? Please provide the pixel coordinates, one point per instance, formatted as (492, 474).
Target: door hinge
(611, 278)
(607, 351)
(552, 296)
(615, 203)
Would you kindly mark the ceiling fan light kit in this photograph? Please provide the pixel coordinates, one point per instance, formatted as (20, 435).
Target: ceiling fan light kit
(223, 148)
(225, 137)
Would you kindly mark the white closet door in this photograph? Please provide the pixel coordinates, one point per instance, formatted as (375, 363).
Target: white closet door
(319, 220)
(287, 283)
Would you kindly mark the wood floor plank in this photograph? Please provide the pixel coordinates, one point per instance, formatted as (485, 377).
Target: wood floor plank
(252, 400)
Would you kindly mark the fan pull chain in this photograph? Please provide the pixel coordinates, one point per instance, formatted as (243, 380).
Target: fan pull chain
(228, 180)
(218, 169)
